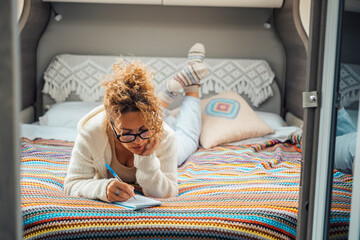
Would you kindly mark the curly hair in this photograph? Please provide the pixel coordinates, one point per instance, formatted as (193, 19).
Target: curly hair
(130, 89)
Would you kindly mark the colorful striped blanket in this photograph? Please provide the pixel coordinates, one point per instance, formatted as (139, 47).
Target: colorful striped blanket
(226, 192)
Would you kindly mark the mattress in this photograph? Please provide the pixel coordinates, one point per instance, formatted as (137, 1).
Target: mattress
(226, 192)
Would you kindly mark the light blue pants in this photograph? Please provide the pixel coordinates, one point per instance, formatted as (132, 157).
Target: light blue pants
(187, 126)
(345, 145)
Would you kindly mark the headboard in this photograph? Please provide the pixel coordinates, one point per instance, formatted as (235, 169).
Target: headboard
(72, 77)
(140, 30)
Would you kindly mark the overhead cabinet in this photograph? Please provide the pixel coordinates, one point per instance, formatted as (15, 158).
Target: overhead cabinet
(226, 3)
(144, 2)
(209, 3)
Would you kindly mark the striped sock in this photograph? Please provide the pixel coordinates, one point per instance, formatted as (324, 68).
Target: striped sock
(192, 88)
(190, 75)
(196, 53)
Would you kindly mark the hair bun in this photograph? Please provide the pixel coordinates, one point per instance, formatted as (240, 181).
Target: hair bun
(130, 82)
(130, 88)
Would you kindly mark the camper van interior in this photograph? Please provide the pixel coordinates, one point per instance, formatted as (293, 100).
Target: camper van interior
(279, 116)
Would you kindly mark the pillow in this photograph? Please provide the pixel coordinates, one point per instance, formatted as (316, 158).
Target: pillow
(228, 118)
(349, 84)
(273, 120)
(81, 74)
(67, 114)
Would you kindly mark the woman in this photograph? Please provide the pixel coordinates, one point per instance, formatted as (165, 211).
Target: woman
(187, 124)
(128, 133)
(345, 145)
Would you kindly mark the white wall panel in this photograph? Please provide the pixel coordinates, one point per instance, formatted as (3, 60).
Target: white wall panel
(208, 3)
(145, 2)
(305, 10)
(226, 3)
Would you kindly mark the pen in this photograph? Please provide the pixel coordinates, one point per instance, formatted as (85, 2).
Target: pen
(114, 173)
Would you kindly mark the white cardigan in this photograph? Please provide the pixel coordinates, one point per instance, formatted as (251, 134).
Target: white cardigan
(87, 174)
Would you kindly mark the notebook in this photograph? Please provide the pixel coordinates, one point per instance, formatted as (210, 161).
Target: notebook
(138, 203)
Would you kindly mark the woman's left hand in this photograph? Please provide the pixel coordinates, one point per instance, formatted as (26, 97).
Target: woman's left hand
(151, 146)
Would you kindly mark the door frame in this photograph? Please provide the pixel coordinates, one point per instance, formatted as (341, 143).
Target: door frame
(10, 218)
(312, 168)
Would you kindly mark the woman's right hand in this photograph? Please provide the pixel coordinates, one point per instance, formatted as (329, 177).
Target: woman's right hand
(151, 146)
(124, 190)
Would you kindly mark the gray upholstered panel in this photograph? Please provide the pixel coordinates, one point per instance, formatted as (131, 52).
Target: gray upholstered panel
(32, 23)
(108, 29)
(287, 20)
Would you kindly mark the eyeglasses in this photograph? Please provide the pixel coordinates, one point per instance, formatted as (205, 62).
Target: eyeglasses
(128, 137)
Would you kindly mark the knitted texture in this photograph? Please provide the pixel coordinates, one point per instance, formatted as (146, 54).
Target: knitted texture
(82, 74)
(189, 76)
(227, 192)
(156, 173)
(192, 88)
(349, 85)
(196, 54)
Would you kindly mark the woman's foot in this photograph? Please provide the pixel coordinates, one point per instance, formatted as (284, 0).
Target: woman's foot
(196, 54)
(189, 76)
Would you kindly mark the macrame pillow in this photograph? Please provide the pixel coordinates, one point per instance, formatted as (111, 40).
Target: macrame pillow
(81, 74)
(349, 85)
(228, 118)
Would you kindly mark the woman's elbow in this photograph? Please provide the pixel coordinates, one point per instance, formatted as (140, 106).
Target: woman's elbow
(173, 191)
(68, 187)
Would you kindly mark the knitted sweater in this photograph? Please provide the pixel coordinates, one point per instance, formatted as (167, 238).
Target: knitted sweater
(87, 175)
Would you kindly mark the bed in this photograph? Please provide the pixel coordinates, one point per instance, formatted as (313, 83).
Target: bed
(246, 188)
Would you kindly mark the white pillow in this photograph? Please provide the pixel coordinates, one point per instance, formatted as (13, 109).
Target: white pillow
(67, 114)
(273, 120)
